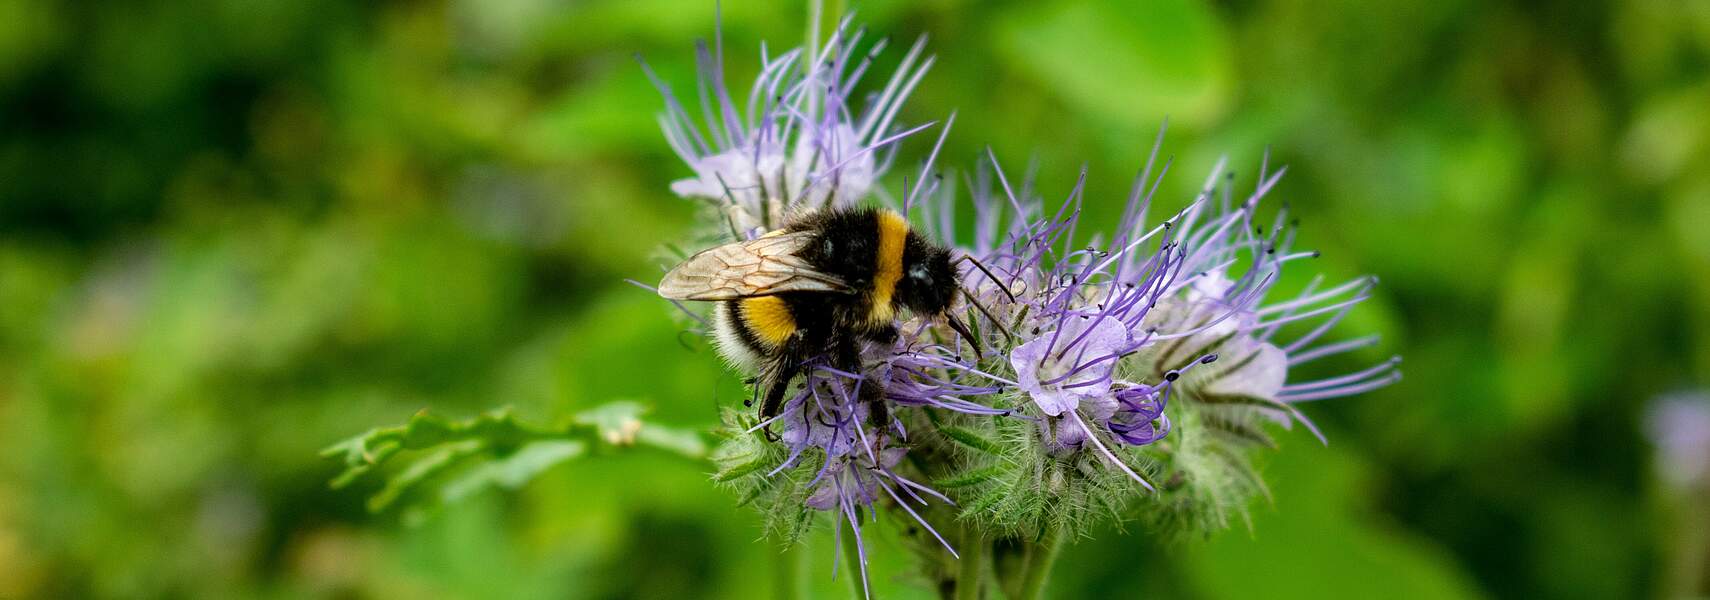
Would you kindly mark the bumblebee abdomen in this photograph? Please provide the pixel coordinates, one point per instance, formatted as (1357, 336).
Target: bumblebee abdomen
(732, 338)
(750, 329)
(769, 319)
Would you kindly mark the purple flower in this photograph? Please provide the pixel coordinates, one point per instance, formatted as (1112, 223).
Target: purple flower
(797, 143)
(1104, 332)
(830, 418)
(1139, 417)
(1061, 380)
(1679, 425)
(1090, 341)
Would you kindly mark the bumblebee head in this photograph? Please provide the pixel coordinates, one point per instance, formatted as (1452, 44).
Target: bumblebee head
(929, 282)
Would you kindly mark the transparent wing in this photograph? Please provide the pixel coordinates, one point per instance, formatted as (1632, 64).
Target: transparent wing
(759, 267)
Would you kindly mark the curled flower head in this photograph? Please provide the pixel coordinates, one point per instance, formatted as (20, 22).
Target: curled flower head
(1139, 417)
(797, 143)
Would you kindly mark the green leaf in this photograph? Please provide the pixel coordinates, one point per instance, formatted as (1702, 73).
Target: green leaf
(617, 422)
(493, 449)
(681, 441)
(421, 470)
(512, 471)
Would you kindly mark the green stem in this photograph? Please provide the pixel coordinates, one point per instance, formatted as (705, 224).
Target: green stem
(1043, 557)
(857, 572)
(971, 566)
(787, 572)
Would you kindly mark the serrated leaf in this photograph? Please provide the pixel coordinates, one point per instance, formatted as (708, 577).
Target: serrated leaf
(680, 441)
(618, 423)
(426, 430)
(518, 451)
(513, 470)
(420, 471)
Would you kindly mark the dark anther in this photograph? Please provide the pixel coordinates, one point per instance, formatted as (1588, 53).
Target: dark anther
(1209, 358)
(1172, 376)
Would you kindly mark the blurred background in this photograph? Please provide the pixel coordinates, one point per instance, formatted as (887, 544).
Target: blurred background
(234, 232)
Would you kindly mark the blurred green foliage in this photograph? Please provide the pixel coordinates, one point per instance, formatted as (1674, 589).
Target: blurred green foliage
(235, 232)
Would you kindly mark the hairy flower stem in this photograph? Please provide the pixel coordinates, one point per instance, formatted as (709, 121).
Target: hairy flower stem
(857, 572)
(1042, 555)
(971, 567)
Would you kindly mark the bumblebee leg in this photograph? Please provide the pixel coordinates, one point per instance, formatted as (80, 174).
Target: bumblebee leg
(885, 335)
(848, 358)
(776, 386)
(775, 377)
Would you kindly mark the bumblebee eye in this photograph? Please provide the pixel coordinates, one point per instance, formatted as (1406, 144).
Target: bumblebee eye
(920, 273)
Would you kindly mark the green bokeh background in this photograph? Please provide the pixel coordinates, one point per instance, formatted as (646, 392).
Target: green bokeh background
(233, 232)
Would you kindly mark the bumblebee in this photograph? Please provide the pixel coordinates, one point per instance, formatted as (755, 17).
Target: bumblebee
(820, 287)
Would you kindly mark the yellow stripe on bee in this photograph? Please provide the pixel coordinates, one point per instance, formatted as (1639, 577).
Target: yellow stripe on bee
(769, 318)
(893, 231)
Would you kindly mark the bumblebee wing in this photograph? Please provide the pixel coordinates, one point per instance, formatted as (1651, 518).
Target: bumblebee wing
(759, 267)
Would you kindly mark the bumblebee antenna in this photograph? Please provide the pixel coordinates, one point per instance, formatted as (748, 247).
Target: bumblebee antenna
(982, 267)
(972, 299)
(982, 308)
(956, 324)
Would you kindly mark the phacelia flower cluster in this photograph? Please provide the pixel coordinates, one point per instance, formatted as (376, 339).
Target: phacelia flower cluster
(1140, 363)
